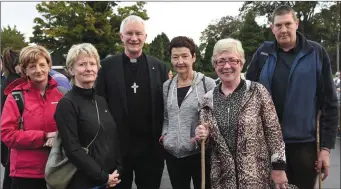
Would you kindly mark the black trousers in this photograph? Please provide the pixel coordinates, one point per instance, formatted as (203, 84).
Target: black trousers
(182, 170)
(147, 167)
(301, 159)
(5, 161)
(28, 183)
(7, 182)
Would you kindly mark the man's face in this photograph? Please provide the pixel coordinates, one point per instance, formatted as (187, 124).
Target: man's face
(284, 28)
(133, 37)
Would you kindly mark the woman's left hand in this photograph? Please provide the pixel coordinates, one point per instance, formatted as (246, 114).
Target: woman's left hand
(279, 178)
(49, 142)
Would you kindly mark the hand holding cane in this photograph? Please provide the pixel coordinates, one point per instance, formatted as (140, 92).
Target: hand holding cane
(202, 136)
(203, 163)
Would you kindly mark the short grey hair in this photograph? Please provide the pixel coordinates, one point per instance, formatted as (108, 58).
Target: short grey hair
(228, 45)
(131, 19)
(81, 49)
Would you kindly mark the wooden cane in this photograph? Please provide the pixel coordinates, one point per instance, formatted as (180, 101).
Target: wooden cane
(203, 164)
(318, 145)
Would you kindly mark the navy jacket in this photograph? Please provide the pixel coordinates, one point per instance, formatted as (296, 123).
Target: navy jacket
(310, 89)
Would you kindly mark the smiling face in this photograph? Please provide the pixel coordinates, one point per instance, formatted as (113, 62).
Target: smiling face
(38, 71)
(182, 60)
(228, 67)
(133, 37)
(85, 71)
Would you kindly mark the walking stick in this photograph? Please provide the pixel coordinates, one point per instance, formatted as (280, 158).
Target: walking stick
(203, 164)
(318, 145)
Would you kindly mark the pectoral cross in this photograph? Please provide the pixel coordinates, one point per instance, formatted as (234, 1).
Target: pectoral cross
(134, 87)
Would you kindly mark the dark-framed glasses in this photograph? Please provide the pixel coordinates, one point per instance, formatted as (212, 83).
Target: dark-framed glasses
(230, 61)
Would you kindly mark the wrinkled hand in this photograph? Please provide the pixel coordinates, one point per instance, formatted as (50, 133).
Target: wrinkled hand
(279, 178)
(50, 139)
(51, 135)
(201, 132)
(323, 163)
(113, 179)
(49, 142)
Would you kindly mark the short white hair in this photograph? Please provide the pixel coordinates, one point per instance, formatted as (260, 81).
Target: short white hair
(132, 19)
(228, 45)
(81, 49)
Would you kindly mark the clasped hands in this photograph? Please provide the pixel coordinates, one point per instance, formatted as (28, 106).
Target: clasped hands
(49, 139)
(113, 179)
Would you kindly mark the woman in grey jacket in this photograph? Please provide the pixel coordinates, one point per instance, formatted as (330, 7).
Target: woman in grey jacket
(181, 116)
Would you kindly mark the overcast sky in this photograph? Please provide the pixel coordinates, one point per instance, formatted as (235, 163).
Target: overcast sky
(173, 18)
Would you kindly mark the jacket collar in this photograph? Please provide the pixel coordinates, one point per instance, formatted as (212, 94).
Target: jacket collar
(26, 84)
(271, 46)
(207, 100)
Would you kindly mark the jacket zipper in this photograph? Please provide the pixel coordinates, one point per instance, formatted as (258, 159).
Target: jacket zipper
(228, 117)
(287, 93)
(178, 135)
(236, 138)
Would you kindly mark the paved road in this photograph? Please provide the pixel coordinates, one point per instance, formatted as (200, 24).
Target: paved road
(332, 182)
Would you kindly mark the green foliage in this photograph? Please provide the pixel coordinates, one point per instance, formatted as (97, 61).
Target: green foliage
(322, 27)
(11, 37)
(251, 36)
(211, 74)
(327, 26)
(63, 24)
(225, 27)
(206, 64)
(198, 64)
(159, 48)
(305, 12)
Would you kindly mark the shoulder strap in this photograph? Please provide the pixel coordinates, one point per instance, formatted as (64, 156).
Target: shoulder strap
(203, 82)
(19, 99)
(99, 127)
(170, 82)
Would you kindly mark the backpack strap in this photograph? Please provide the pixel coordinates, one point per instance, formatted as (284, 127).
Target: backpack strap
(169, 86)
(203, 82)
(19, 99)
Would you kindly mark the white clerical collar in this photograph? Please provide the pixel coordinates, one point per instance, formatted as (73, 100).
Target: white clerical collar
(133, 60)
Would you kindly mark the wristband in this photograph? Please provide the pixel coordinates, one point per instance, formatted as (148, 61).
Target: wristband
(326, 149)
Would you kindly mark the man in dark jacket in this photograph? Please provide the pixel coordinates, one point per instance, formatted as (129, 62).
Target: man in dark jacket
(131, 82)
(297, 73)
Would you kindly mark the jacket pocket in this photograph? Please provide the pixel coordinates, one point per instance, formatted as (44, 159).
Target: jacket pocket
(169, 142)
